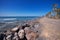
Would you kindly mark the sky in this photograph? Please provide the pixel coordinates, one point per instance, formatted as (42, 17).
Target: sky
(26, 7)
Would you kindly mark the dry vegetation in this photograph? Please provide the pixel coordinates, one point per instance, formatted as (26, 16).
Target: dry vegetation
(55, 13)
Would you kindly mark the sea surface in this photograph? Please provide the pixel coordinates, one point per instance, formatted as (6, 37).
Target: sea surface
(11, 19)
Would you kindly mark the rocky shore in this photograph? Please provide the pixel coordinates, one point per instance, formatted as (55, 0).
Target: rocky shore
(38, 29)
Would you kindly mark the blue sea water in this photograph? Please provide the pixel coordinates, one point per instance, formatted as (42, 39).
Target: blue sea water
(17, 18)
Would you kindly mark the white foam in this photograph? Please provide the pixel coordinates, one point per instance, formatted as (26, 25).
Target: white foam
(10, 19)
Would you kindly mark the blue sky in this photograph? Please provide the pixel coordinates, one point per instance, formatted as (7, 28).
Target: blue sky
(26, 7)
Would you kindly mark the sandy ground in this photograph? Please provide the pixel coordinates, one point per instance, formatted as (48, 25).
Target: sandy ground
(50, 28)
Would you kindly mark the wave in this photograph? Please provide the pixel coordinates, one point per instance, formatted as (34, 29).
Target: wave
(9, 19)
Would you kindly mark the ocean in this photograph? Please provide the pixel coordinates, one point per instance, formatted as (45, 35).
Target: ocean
(19, 18)
(7, 19)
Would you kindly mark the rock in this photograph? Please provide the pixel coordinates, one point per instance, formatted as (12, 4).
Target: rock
(15, 36)
(8, 37)
(21, 34)
(25, 25)
(15, 29)
(30, 35)
(2, 36)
